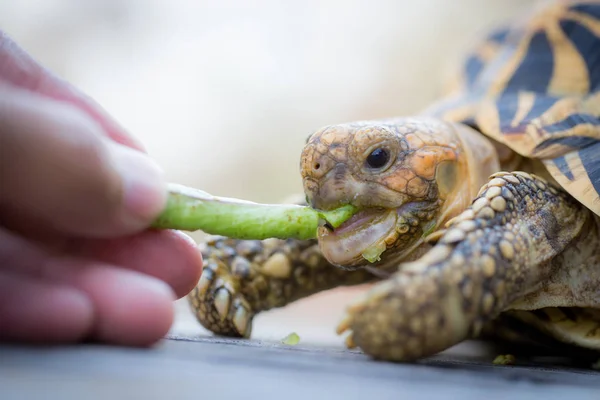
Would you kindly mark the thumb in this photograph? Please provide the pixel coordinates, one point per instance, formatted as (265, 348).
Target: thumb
(59, 169)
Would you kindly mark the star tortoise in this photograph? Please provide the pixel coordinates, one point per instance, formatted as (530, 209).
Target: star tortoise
(460, 247)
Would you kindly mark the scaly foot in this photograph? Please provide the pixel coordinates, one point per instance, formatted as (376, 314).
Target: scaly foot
(244, 277)
(217, 300)
(499, 249)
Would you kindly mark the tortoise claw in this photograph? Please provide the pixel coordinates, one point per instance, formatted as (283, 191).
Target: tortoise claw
(358, 306)
(345, 327)
(350, 341)
(218, 302)
(344, 324)
(242, 319)
(222, 301)
(205, 281)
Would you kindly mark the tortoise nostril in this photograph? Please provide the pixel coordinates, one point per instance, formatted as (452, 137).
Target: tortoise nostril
(317, 166)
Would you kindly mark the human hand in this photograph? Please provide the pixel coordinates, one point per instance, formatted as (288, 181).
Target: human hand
(77, 194)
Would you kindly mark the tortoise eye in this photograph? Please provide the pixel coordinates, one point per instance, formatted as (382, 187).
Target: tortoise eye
(378, 158)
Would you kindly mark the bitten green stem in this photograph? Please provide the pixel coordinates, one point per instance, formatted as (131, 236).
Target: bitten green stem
(191, 209)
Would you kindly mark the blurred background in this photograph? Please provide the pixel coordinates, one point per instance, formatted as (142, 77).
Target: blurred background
(224, 93)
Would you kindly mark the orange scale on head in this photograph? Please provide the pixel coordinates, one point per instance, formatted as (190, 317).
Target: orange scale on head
(430, 139)
(447, 154)
(424, 162)
(399, 180)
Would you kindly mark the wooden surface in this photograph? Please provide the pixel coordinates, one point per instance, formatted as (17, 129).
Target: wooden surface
(214, 368)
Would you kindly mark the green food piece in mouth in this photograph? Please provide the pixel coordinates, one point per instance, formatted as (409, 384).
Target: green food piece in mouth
(373, 253)
(191, 210)
(292, 339)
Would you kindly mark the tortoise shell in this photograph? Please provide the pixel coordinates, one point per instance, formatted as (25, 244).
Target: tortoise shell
(535, 87)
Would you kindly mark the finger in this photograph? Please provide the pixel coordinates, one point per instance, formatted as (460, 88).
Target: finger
(45, 297)
(33, 310)
(56, 168)
(170, 256)
(99, 302)
(19, 69)
(130, 308)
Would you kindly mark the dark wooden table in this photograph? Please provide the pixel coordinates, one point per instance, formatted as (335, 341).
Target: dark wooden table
(212, 368)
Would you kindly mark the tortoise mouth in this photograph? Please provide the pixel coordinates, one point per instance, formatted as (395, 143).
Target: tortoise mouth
(359, 240)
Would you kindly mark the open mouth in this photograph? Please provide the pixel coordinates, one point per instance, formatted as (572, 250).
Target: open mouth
(359, 240)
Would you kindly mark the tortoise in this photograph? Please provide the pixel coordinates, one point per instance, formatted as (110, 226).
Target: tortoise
(480, 215)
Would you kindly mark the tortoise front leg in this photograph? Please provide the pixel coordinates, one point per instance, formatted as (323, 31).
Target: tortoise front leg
(501, 248)
(244, 277)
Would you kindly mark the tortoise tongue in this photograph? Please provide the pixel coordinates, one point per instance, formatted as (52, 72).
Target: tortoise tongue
(367, 229)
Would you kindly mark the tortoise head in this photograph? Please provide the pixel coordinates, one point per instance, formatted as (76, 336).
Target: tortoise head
(406, 177)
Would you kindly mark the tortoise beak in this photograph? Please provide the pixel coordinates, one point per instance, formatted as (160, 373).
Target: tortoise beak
(334, 189)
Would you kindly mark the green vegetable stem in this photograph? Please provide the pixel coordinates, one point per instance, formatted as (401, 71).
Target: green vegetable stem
(191, 209)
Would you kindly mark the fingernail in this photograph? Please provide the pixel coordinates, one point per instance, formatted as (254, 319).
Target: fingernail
(144, 187)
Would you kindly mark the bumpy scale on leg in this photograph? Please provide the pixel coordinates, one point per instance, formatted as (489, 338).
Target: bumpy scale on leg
(243, 277)
(495, 251)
